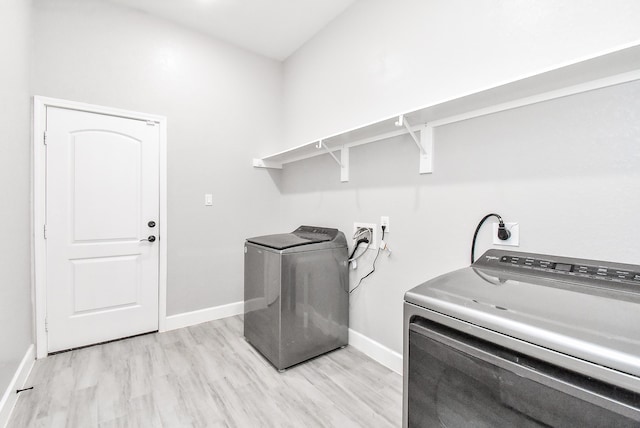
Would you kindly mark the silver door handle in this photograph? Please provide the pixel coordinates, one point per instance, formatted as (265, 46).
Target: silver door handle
(151, 238)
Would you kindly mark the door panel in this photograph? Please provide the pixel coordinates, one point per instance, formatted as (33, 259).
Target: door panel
(105, 283)
(105, 209)
(102, 190)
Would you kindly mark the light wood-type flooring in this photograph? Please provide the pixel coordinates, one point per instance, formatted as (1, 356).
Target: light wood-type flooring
(205, 376)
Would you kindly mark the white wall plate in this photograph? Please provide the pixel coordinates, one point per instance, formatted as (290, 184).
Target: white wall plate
(374, 227)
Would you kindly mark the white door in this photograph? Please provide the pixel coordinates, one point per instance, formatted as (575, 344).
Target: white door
(102, 200)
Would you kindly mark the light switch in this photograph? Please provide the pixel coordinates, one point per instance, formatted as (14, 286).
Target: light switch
(208, 200)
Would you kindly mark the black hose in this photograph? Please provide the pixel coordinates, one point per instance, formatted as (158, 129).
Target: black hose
(475, 235)
(373, 267)
(355, 248)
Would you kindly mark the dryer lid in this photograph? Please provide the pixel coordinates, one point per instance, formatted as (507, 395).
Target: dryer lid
(576, 314)
(304, 235)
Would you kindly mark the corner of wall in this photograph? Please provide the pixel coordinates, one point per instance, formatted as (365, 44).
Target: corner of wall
(10, 396)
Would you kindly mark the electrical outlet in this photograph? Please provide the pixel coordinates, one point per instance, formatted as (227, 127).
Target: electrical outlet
(384, 221)
(514, 239)
(374, 230)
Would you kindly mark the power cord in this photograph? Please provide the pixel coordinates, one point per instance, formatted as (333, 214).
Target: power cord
(373, 268)
(360, 241)
(366, 240)
(503, 233)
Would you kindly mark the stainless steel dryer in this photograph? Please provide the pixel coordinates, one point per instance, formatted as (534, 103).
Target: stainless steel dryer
(524, 340)
(296, 294)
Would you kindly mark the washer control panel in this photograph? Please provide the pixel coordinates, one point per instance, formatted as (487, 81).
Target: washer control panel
(580, 269)
(316, 233)
(559, 267)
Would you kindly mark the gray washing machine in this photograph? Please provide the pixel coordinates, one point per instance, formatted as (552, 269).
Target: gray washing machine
(296, 294)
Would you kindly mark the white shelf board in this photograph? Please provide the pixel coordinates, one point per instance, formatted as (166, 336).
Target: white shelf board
(609, 68)
(360, 135)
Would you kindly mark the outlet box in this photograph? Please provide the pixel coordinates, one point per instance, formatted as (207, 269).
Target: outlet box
(371, 226)
(514, 239)
(384, 221)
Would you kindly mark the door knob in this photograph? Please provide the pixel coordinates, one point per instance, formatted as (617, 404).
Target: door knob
(151, 238)
(151, 224)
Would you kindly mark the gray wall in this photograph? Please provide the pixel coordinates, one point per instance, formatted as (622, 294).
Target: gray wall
(380, 58)
(567, 170)
(15, 211)
(223, 108)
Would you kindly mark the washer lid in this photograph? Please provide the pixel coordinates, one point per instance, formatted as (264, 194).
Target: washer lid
(304, 235)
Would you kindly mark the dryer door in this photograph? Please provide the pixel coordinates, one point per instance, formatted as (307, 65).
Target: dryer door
(457, 380)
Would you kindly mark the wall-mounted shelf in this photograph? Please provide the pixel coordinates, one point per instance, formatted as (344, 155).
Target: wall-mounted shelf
(607, 69)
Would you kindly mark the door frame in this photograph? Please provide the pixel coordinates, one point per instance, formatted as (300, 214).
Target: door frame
(39, 250)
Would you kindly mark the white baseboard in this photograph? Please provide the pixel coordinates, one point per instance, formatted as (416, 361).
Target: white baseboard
(203, 315)
(378, 352)
(10, 396)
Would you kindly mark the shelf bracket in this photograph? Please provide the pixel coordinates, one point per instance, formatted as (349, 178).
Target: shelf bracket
(402, 121)
(321, 144)
(424, 143)
(344, 168)
(343, 162)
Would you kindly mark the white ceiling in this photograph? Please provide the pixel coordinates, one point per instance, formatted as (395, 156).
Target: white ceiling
(274, 28)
